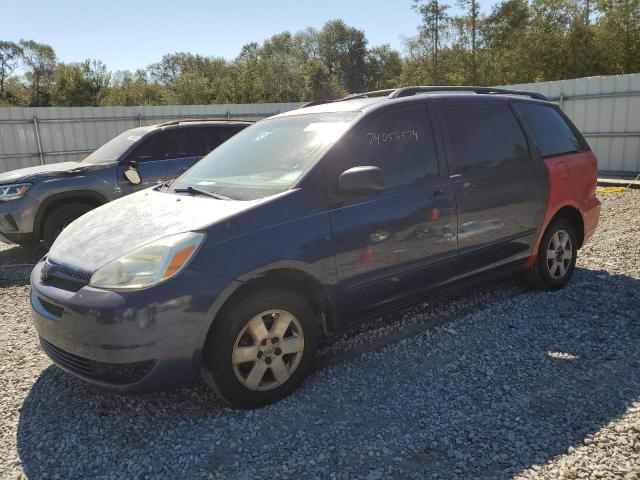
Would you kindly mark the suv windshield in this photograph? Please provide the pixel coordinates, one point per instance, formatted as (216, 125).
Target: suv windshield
(111, 151)
(268, 157)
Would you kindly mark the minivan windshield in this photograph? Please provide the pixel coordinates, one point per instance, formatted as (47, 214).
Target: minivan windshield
(267, 157)
(114, 148)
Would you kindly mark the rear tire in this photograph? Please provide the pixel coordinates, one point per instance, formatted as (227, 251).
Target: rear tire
(556, 259)
(58, 220)
(261, 348)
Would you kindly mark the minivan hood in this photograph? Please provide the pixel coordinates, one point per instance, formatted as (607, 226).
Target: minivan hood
(110, 231)
(52, 168)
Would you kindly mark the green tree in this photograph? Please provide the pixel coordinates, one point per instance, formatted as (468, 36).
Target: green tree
(504, 33)
(344, 49)
(320, 83)
(39, 61)
(471, 22)
(10, 53)
(129, 89)
(384, 66)
(617, 35)
(188, 88)
(434, 26)
(79, 84)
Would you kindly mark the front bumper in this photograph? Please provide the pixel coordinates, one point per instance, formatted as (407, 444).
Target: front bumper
(16, 222)
(137, 340)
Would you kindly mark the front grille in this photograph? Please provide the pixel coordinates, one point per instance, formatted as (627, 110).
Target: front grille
(116, 373)
(67, 273)
(63, 276)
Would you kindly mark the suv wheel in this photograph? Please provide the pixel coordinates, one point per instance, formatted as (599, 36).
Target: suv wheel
(556, 259)
(261, 348)
(58, 220)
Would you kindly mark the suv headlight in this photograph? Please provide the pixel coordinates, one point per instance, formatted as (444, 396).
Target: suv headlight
(150, 264)
(13, 192)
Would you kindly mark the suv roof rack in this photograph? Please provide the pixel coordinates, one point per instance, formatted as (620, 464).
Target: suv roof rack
(409, 91)
(353, 96)
(188, 120)
(376, 93)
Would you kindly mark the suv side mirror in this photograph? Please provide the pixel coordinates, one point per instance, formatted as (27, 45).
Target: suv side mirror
(361, 180)
(132, 174)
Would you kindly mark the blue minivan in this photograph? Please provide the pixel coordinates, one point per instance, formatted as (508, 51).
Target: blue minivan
(306, 223)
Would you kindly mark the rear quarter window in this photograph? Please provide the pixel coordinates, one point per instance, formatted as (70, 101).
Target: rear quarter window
(552, 134)
(483, 136)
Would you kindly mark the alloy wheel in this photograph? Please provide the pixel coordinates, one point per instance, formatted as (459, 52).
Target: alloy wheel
(268, 350)
(559, 254)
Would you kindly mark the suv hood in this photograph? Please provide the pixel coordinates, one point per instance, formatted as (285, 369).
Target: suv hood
(15, 176)
(118, 227)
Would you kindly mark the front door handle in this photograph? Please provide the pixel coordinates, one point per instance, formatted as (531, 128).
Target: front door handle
(469, 188)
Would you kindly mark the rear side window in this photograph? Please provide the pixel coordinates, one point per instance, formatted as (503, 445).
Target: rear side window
(177, 144)
(483, 136)
(550, 131)
(400, 142)
(206, 139)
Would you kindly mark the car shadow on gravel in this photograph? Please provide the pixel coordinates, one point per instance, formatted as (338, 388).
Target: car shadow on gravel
(16, 263)
(559, 380)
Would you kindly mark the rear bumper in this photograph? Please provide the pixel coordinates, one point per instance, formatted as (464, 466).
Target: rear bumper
(590, 216)
(128, 341)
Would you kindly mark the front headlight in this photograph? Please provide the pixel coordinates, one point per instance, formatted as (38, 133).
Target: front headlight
(13, 192)
(150, 264)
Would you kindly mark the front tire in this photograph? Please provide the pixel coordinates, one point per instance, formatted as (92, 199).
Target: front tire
(556, 260)
(261, 348)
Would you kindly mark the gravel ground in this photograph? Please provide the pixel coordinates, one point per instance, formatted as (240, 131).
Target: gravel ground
(498, 382)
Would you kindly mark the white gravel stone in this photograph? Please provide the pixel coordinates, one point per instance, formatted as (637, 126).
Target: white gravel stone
(497, 382)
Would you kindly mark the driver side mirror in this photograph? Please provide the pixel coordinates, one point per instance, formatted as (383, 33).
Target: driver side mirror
(132, 174)
(361, 180)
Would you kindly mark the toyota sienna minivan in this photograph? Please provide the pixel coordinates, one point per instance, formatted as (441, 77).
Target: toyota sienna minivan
(306, 223)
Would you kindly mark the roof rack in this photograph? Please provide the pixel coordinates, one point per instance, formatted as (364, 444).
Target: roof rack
(410, 91)
(353, 96)
(189, 120)
(315, 102)
(375, 93)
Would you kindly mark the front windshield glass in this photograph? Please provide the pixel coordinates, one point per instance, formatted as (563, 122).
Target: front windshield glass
(267, 157)
(114, 148)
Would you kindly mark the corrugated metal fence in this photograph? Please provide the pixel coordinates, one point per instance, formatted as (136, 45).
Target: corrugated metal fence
(607, 112)
(34, 136)
(606, 109)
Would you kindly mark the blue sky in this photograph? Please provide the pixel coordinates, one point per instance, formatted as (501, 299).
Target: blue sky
(132, 34)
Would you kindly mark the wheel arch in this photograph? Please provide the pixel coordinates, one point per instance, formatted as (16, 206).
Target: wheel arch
(90, 197)
(295, 279)
(567, 210)
(573, 215)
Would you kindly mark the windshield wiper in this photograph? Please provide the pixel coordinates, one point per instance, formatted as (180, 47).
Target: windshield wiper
(165, 185)
(199, 191)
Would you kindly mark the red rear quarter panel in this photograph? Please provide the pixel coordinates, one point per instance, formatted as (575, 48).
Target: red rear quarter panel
(572, 182)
